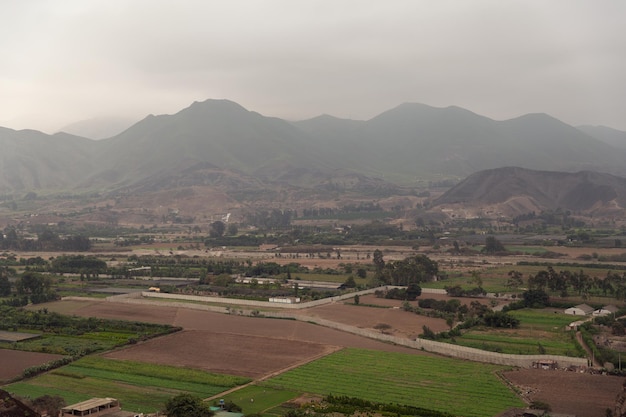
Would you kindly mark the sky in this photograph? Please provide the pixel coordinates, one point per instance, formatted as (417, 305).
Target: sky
(64, 61)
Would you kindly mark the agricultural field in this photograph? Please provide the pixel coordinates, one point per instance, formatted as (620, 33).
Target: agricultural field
(73, 336)
(540, 332)
(262, 399)
(448, 385)
(140, 387)
(13, 362)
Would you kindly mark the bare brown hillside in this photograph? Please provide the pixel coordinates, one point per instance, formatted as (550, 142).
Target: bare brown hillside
(514, 190)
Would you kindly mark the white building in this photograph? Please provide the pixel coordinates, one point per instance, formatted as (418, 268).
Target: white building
(580, 310)
(605, 311)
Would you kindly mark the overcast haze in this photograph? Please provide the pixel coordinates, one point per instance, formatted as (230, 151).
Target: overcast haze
(68, 60)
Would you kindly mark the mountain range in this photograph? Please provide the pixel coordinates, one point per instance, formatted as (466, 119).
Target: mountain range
(219, 143)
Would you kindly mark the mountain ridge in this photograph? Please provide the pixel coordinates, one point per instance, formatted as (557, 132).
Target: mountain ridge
(408, 143)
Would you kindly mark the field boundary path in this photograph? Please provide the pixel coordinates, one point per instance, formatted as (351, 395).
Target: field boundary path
(333, 349)
(581, 341)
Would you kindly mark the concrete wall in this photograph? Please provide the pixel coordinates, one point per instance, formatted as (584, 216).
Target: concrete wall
(261, 304)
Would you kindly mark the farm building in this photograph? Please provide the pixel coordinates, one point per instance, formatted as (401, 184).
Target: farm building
(100, 407)
(580, 310)
(575, 325)
(605, 311)
(284, 300)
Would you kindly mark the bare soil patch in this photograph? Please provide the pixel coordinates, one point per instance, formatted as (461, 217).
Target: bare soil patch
(402, 323)
(13, 362)
(568, 392)
(233, 354)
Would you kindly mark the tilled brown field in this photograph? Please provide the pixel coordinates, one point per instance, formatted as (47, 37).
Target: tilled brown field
(13, 362)
(233, 354)
(583, 395)
(401, 323)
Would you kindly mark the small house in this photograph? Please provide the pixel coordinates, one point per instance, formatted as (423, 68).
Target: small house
(580, 310)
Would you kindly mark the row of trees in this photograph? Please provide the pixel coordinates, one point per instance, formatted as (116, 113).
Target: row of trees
(31, 286)
(566, 282)
(47, 240)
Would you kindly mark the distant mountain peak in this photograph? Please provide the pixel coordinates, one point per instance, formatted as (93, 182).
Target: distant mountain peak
(215, 105)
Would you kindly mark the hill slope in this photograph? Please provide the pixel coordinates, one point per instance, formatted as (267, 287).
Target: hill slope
(610, 136)
(217, 132)
(31, 160)
(514, 190)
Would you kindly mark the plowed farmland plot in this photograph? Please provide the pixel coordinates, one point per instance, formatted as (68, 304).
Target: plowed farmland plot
(251, 356)
(13, 362)
(453, 386)
(568, 392)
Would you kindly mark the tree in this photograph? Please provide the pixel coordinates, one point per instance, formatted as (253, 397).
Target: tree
(413, 291)
(350, 282)
(50, 404)
(515, 280)
(536, 298)
(493, 245)
(232, 229)
(187, 405)
(361, 272)
(379, 262)
(357, 299)
(413, 269)
(477, 279)
(5, 284)
(32, 283)
(217, 229)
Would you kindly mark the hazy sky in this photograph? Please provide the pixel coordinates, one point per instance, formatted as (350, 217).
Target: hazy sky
(67, 60)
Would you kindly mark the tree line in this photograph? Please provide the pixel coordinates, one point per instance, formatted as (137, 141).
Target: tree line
(47, 240)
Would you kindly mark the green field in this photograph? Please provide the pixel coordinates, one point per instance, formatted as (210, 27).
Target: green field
(443, 384)
(540, 332)
(262, 399)
(140, 387)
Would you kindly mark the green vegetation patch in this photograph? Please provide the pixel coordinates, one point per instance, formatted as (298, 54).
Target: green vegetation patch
(540, 332)
(442, 384)
(139, 386)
